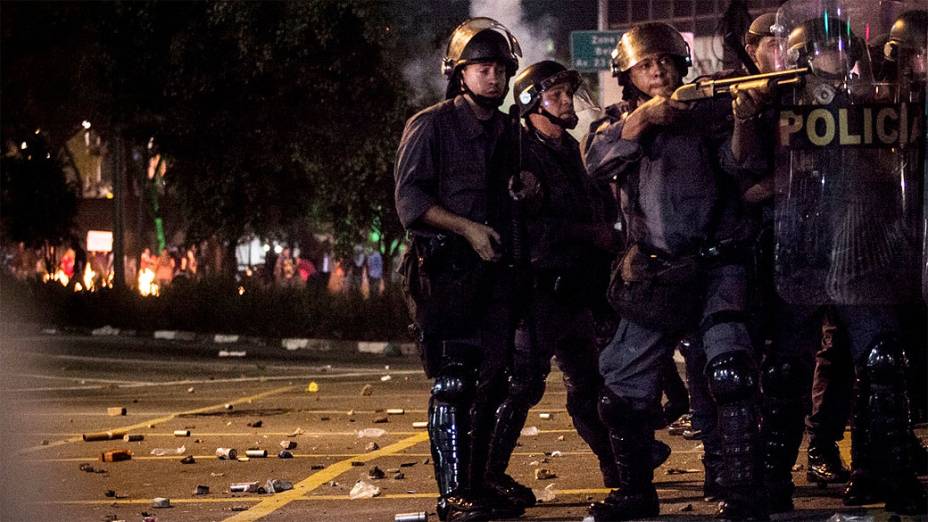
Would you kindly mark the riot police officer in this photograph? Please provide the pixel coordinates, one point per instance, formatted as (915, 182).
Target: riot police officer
(451, 196)
(570, 242)
(674, 165)
(836, 216)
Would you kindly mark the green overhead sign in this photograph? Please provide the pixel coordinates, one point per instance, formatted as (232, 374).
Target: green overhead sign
(591, 51)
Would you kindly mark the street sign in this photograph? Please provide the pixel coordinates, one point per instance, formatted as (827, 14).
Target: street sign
(591, 51)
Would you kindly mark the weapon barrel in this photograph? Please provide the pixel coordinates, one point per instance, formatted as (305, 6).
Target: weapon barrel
(712, 88)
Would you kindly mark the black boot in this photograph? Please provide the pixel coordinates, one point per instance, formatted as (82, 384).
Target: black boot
(733, 382)
(782, 381)
(495, 428)
(508, 421)
(824, 464)
(712, 488)
(862, 487)
(889, 428)
(631, 434)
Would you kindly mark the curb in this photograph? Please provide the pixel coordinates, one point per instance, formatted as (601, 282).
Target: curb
(231, 344)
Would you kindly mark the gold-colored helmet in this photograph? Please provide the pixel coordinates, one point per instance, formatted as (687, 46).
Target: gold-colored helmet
(478, 40)
(648, 39)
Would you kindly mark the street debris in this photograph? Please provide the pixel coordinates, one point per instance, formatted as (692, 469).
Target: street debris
(556, 453)
(217, 474)
(228, 406)
(255, 424)
(88, 468)
(375, 473)
(316, 467)
(256, 453)
(277, 485)
(546, 495)
(356, 463)
(312, 387)
(380, 419)
(115, 412)
(420, 424)
(190, 389)
(201, 490)
(407, 464)
(188, 460)
(371, 432)
(231, 353)
(395, 411)
(386, 378)
(226, 453)
(530, 431)
(160, 452)
(372, 446)
(109, 493)
(687, 508)
(367, 390)
(545, 416)
(238, 508)
(325, 418)
(294, 433)
(133, 438)
(116, 455)
(181, 433)
(363, 489)
(243, 487)
(544, 474)
(399, 475)
(104, 435)
(680, 471)
(420, 516)
(560, 438)
(798, 467)
(285, 454)
(288, 444)
(45, 442)
(160, 502)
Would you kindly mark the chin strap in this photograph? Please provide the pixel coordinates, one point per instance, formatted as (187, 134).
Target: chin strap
(565, 123)
(487, 102)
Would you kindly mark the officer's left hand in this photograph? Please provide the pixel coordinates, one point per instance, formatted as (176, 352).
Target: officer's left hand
(746, 103)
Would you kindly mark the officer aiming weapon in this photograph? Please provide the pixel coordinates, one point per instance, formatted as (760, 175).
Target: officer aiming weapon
(705, 89)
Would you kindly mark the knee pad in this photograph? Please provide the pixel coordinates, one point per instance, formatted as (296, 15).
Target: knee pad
(453, 387)
(783, 377)
(732, 377)
(886, 361)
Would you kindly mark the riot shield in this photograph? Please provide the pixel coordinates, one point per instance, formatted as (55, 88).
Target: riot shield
(848, 207)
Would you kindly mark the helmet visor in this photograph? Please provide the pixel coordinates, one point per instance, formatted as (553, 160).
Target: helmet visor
(566, 89)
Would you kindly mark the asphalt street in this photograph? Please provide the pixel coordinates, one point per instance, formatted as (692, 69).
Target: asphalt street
(57, 388)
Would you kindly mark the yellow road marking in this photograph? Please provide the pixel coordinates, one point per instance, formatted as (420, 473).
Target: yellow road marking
(268, 506)
(165, 418)
(194, 433)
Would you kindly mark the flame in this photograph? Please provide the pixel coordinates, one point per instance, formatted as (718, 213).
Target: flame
(88, 278)
(59, 276)
(147, 285)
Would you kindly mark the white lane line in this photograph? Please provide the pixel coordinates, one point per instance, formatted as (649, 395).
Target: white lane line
(188, 382)
(62, 378)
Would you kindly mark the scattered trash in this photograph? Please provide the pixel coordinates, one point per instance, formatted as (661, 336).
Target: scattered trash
(45, 442)
(239, 508)
(325, 418)
(798, 467)
(226, 453)
(88, 468)
(288, 444)
(546, 495)
(680, 471)
(103, 435)
(426, 460)
(277, 485)
(228, 406)
(544, 474)
(316, 467)
(363, 489)
(188, 460)
(356, 463)
(256, 453)
(294, 433)
(181, 433)
(285, 454)
(375, 473)
(380, 419)
(556, 453)
(243, 459)
(420, 516)
(530, 431)
(350, 413)
(116, 455)
(533, 463)
(385, 378)
(687, 508)
(160, 452)
(395, 411)
(201, 490)
(243, 487)
(217, 474)
(190, 389)
(842, 517)
(420, 424)
(105, 330)
(161, 502)
(115, 412)
(231, 353)
(312, 387)
(109, 493)
(399, 475)
(407, 464)
(371, 432)
(256, 424)
(133, 438)
(545, 416)
(372, 446)
(366, 391)
(560, 438)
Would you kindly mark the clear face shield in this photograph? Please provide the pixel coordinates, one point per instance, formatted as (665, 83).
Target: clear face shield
(564, 96)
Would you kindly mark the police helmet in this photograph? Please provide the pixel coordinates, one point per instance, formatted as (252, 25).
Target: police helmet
(648, 39)
(910, 31)
(814, 36)
(479, 40)
(760, 27)
(536, 79)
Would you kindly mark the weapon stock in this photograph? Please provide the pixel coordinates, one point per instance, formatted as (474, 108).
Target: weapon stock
(705, 89)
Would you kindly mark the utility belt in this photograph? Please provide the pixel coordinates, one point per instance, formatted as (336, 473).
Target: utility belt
(667, 293)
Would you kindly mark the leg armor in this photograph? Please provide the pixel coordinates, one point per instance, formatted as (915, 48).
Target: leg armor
(783, 381)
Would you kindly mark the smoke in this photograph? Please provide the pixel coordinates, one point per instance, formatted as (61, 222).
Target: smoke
(535, 39)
